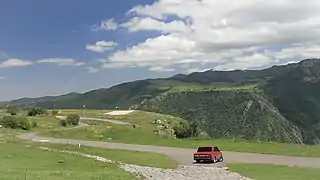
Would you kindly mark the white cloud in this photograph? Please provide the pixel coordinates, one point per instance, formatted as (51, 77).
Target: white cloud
(14, 63)
(231, 34)
(148, 24)
(2, 78)
(106, 25)
(61, 61)
(101, 46)
(161, 69)
(192, 70)
(92, 70)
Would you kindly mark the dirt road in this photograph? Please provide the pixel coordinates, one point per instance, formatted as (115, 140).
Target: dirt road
(183, 155)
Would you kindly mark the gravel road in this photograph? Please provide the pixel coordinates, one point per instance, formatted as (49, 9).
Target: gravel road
(184, 155)
(183, 173)
(152, 173)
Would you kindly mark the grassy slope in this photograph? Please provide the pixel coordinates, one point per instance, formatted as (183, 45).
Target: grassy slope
(140, 158)
(125, 156)
(127, 134)
(15, 159)
(17, 155)
(267, 172)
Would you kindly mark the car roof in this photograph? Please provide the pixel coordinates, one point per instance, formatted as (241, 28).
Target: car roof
(206, 146)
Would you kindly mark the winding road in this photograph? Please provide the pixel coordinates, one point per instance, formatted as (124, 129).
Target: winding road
(181, 155)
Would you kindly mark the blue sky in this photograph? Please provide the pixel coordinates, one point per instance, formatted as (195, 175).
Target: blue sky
(55, 47)
(60, 29)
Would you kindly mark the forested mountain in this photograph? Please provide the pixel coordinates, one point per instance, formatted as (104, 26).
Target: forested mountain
(281, 103)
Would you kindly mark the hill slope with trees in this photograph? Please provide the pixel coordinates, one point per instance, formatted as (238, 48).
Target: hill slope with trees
(281, 103)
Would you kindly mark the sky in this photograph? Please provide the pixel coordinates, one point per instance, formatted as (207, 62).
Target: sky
(56, 47)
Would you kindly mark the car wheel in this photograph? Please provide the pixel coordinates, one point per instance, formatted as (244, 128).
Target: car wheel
(197, 161)
(221, 159)
(214, 160)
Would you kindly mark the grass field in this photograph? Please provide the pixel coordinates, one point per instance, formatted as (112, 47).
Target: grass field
(129, 157)
(82, 112)
(16, 160)
(270, 172)
(17, 155)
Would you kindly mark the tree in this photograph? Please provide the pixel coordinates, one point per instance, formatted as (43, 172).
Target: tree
(182, 130)
(35, 111)
(73, 119)
(194, 129)
(15, 122)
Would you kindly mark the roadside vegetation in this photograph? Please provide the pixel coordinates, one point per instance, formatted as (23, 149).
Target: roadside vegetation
(267, 172)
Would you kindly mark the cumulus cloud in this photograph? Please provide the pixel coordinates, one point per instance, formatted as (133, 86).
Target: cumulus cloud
(106, 25)
(14, 63)
(230, 34)
(61, 61)
(149, 24)
(101, 46)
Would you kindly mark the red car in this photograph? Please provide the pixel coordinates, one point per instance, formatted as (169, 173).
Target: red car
(208, 153)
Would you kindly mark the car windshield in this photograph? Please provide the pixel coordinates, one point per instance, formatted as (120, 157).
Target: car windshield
(204, 149)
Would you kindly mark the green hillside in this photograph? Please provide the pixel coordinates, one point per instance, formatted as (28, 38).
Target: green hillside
(229, 114)
(281, 103)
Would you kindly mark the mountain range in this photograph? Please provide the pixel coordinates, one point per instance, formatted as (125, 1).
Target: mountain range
(280, 103)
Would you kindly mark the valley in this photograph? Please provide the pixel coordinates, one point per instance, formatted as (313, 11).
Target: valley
(278, 104)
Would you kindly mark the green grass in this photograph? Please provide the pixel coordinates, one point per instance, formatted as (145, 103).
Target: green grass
(125, 156)
(268, 172)
(130, 135)
(45, 123)
(16, 159)
(91, 113)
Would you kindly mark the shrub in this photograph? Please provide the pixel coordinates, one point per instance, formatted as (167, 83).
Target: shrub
(35, 111)
(24, 124)
(73, 119)
(9, 122)
(15, 122)
(63, 122)
(182, 130)
(54, 112)
(34, 124)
